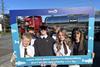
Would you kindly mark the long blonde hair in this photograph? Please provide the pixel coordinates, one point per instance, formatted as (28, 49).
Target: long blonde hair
(67, 40)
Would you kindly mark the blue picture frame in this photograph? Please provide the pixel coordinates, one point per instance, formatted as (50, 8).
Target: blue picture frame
(61, 60)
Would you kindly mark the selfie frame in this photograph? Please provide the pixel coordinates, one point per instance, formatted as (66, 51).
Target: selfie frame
(48, 60)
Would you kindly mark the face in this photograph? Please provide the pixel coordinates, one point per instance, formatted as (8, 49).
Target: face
(77, 34)
(25, 41)
(43, 32)
(61, 36)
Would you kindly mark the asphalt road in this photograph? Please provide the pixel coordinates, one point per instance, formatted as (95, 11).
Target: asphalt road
(5, 45)
(5, 50)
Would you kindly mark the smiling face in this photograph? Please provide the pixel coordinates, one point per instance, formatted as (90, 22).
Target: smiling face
(26, 41)
(77, 35)
(61, 36)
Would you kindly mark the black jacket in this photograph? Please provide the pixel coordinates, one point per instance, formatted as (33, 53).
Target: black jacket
(44, 47)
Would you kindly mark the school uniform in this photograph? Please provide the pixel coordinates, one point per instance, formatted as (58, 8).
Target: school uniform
(77, 50)
(44, 46)
(32, 41)
(26, 51)
(61, 51)
(54, 37)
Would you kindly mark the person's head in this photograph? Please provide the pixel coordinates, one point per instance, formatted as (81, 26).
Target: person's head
(31, 31)
(62, 36)
(26, 39)
(43, 30)
(77, 34)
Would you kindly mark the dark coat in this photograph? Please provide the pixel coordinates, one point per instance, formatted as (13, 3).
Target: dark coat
(77, 50)
(44, 47)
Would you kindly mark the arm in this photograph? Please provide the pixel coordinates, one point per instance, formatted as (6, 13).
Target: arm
(58, 53)
(31, 51)
(69, 51)
(36, 48)
(13, 59)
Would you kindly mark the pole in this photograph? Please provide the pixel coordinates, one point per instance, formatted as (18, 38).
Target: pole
(2, 2)
(4, 27)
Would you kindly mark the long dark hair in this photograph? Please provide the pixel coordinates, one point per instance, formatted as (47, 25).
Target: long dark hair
(67, 40)
(73, 37)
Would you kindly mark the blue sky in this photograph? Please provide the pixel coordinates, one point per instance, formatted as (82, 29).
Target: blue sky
(40, 4)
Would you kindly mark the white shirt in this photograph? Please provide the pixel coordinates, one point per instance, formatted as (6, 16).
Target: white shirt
(44, 36)
(54, 37)
(30, 51)
(32, 42)
(61, 51)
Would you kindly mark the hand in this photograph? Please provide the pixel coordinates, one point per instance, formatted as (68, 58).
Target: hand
(59, 54)
(43, 65)
(28, 56)
(93, 54)
(13, 60)
(53, 65)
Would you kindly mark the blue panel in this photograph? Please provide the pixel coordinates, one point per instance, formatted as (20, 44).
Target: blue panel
(15, 39)
(83, 59)
(91, 34)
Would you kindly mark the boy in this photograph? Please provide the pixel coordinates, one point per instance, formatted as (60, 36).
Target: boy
(44, 44)
(26, 50)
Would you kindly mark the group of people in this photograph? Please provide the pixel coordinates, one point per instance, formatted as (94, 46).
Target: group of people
(52, 43)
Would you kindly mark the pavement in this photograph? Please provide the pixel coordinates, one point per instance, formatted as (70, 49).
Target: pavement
(6, 52)
(5, 61)
(5, 44)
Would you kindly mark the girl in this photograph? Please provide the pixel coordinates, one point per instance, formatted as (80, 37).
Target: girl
(62, 47)
(79, 43)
